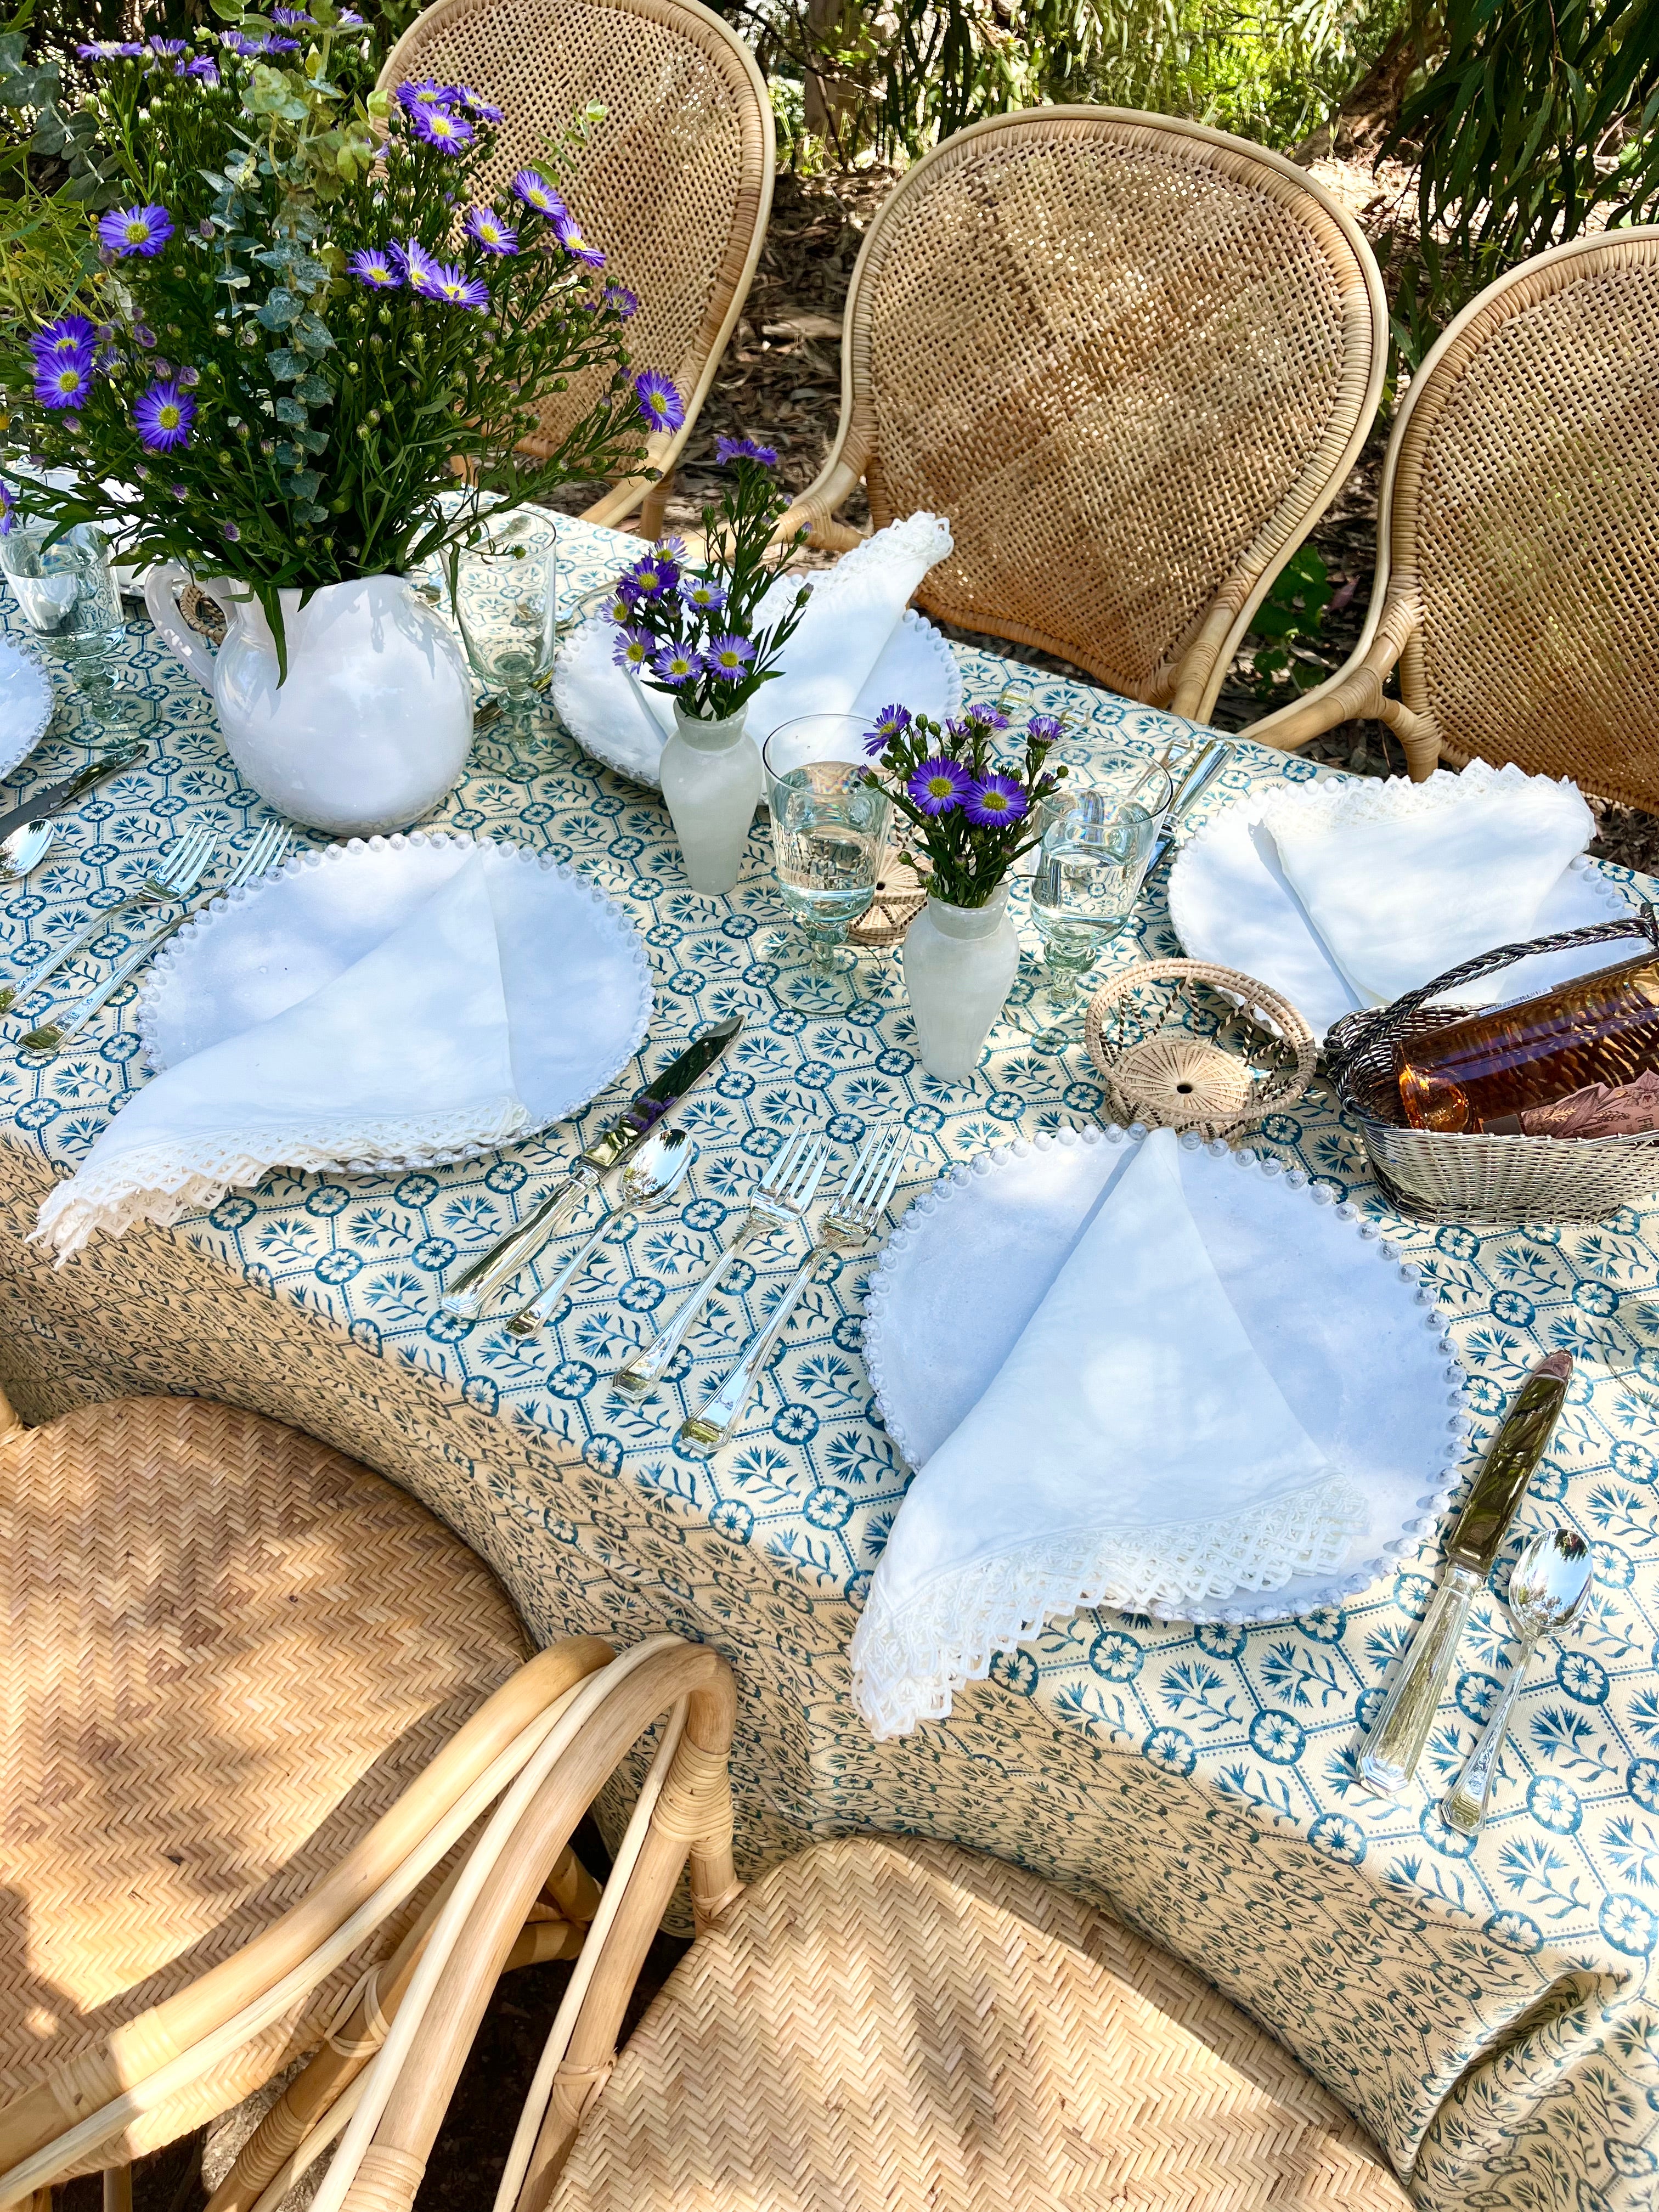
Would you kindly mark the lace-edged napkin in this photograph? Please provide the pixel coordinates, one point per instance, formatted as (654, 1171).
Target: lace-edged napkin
(1133, 1449)
(406, 1053)
(1405, 880)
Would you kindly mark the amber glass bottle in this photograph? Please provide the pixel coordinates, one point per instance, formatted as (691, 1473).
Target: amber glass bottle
(1600, 1028)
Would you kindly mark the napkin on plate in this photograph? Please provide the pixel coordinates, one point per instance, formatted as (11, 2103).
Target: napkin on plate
(1405, 880)
(406, 1055)
(855, 608)
(1133, 1450)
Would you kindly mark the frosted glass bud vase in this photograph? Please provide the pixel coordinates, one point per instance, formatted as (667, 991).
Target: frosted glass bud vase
(711, 778)
(960, 963)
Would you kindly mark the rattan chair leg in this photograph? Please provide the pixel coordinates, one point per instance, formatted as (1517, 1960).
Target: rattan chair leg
(653, 507)
(118, 2188)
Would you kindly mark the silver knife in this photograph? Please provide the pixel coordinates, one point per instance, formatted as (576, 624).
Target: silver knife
(479, 1280)
(72, 786)
(1199, 777)
(1400, 1731)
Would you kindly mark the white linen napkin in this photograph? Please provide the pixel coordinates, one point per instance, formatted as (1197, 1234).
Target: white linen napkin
(1405, 880)
(405, 1055)
(854, 610)
(1132, 1450)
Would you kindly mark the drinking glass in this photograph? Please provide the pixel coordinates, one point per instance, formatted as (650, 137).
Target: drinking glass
(505, 588)
(829, 828)
(1090, 865)
(67, 593)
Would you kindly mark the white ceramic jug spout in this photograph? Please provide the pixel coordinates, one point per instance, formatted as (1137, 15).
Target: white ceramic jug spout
(371, 725)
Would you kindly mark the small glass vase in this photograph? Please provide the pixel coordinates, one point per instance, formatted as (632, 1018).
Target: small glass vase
(959, 964)
(711, 779)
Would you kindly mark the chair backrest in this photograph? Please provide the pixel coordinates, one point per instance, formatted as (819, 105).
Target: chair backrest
(1131, 360)
(1520, 500)
(676, 183)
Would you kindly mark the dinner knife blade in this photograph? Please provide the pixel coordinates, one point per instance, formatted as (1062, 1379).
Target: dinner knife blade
(1401, 1729)
(1199, 777)
(478, 1281)
(71, 788)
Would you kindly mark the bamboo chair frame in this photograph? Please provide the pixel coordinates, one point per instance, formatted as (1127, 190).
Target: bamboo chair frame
(1240, 550)
(1434, 454)
(58, 2128)
(446, 40)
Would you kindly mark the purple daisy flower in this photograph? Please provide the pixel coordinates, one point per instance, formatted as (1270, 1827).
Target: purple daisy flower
(289, 16)
(984, 718)
(205, 69)
(65, 380)
(417, 264)
(271, 45)
(165, 46)
(891, 722)
(111, 50)
(996, 799)
(349, 20)
(728, 656)
(485, 110)
(653, 576)
(141, 230)
(744, 449)
(534, 189)
(620, 301)
(632, 648)
(68, 334)
(375, 267)
(676, 665)
(229, 529)
(1045, 730)
(163, 416)
(659, 403)
(485, 228)
(940, 784)
(698, 592)
(447, 280)
(442, 128)
(7, 503)
(568, 231)
(428, 93)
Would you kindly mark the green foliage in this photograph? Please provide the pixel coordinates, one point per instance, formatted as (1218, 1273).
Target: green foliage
(1291, 616)
(1542, 112)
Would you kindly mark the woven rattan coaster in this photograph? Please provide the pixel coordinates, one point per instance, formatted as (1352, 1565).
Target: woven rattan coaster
(1160, 1070)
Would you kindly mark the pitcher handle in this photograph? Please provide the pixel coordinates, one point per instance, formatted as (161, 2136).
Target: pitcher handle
(161, 588)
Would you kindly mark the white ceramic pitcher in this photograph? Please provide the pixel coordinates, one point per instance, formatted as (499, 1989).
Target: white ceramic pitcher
(372, 725)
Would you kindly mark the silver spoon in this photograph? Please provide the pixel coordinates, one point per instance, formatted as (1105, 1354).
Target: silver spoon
(25, 849)
(650, 1180)
(1548, 1585)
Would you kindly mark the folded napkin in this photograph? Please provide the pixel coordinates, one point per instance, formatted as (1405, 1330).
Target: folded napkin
(1405, 880)
(1133, 1450)
(404, 1055)
(854, 609)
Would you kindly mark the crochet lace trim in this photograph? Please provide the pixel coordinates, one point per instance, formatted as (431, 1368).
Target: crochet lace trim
(909, 1661)
(164, 1180)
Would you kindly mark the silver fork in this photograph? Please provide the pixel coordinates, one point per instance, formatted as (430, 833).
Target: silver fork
(269, 849)
(175, 876)
(782, 1196)
(850, 1222)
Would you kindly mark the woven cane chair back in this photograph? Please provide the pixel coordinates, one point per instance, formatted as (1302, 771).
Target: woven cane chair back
(229, 1651)
(675, 184)
(1131, 360)
(1522, 492)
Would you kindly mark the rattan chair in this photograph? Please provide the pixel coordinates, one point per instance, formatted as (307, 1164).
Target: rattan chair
(676, 184)
(255, 1698)
(876, 2025)
(1131, 360)
(1517, 566)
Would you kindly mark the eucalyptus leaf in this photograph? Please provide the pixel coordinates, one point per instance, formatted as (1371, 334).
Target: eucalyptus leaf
(281, 308)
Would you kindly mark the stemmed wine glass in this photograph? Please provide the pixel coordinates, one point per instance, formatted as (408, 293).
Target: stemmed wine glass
(829, 827)
(1091, 865)
(504, 588)
(67, 593)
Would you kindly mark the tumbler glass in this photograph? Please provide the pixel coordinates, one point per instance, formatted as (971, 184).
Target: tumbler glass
(66, 590)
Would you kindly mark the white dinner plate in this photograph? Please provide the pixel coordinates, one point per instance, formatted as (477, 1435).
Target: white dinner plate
(602, 710)
(1230, 902)
(573, 966)
(25, 704)
(1333, 1314)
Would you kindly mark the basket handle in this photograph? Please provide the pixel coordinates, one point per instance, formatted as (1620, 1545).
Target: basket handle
(1357, 1032)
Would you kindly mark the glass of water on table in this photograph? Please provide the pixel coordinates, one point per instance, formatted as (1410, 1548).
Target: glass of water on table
(829, 828)
(1091, 865)
(65, 589)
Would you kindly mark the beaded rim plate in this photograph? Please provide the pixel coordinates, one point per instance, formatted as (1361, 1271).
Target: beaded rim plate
(1368, 1372)
(25, 703)
(577, 979)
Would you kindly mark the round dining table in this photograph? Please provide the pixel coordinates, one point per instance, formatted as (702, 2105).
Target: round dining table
(1480, 2005)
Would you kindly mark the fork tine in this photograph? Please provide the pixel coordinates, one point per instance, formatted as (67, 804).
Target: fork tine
(783, 1161)
(809, 1189)
(868, 1164)
(876, 1205)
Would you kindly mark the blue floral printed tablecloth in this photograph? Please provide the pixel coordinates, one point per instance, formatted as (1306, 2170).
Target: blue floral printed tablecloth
(1483, 2008)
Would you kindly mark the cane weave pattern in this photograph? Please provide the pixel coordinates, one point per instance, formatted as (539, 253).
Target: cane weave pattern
(229, 1651)
(1131, 360)
(914, 2026)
